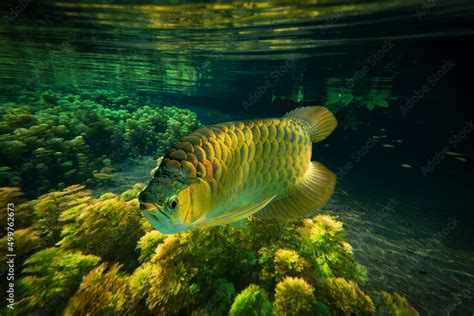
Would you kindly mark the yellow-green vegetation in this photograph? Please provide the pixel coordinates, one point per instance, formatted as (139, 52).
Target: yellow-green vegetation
(101, 293)
(253, 301)
(346, 296)
(50, 277)
(108, 228)
(395, 304)
(13, 196)
(48, 208)
(50, 140)
(294, 296)
(96, 256)
(148, 243)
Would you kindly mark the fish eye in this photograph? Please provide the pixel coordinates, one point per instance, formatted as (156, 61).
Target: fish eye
(173, 202)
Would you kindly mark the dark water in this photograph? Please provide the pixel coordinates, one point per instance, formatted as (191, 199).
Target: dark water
(233, 60)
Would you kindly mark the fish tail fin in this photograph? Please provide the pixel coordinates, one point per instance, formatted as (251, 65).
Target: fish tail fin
(310, 195)
(321, 121)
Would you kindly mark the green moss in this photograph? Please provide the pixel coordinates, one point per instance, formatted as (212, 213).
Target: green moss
(253, 301)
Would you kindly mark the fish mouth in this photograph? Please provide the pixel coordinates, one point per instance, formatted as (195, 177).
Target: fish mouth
(150, 208)
(144, 206)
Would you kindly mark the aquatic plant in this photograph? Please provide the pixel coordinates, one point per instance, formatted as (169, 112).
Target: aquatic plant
(48, 208)
(12, 200)
(252, 301)
(148, 243)
(294, 296)
(395, 304)
(49, 278)
(26, 241)
(101, 226)
(56, 139)
(305, 264)
(346, 296)
(288, 263)
(101, 293)
(133, 192)
(139, 285)
(322, 242)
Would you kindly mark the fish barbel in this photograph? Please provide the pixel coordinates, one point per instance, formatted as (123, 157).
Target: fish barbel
(225, 172)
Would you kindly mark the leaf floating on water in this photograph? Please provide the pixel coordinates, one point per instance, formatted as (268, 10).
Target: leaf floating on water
(452, 153)
(382, 129)
(397, 140)
(388, 146)
(405, 165)
(327, 145)
(461, 159)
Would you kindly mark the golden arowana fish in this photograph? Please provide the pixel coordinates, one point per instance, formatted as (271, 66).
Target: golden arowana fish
(225, 172)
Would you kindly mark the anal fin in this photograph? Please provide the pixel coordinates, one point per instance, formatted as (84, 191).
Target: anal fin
(308, 196)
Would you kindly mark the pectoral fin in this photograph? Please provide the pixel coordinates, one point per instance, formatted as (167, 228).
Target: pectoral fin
(234, 215)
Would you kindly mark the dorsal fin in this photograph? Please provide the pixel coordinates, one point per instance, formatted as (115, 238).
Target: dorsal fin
(320, 120)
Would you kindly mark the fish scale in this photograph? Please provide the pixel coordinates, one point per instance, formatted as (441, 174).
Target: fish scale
(242, 156)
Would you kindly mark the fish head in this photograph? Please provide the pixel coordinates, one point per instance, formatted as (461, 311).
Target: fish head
(172, 201)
